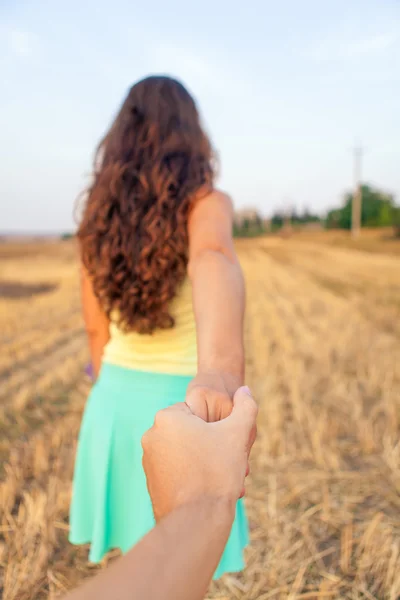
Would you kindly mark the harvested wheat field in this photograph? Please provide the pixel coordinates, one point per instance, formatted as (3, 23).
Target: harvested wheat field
(323, 359)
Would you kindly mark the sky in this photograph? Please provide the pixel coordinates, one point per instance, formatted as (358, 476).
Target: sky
(285, 89)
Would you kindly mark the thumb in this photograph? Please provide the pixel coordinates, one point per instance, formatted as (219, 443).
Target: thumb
(244, 413)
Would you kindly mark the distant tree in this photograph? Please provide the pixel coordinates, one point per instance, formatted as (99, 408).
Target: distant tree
(295, 218)
(67, 236)
(333, 219)
(396, 221)
(309, 217)
(377, 210)
(258, 222)
(250, 226)
(277, 220)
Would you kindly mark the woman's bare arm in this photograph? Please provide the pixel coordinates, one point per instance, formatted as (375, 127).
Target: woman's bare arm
(96, 322)
(219, 303)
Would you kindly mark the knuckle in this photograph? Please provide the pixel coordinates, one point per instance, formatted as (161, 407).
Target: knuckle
(165, 418)
(253, 407)
(160, 417)
(146, 440)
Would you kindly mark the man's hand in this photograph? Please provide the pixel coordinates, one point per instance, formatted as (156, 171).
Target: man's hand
(185, 458)
(210, 397)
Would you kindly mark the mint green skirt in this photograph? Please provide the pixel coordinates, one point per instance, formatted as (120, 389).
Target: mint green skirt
(110, 506)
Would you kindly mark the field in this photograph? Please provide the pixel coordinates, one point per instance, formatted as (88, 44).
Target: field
(323, 361)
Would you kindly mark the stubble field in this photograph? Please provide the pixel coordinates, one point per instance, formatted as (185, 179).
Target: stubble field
(323, 361)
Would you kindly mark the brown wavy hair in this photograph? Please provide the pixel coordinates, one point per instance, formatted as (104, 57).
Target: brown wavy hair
(148, 170)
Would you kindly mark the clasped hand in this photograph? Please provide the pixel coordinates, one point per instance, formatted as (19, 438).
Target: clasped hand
(200, 448)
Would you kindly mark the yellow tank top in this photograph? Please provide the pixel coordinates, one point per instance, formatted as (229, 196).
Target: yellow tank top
(171, 351)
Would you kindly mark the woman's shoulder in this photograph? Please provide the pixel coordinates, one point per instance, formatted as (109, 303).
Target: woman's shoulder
(210, 226)
(215, 198)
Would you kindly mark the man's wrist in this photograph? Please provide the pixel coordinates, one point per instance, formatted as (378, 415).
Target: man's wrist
(220, 508)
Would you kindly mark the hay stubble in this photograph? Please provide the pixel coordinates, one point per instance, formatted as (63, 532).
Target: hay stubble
(323, 360)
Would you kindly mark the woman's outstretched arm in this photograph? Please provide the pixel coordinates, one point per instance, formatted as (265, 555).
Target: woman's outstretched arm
(219, 303)
(96, 322)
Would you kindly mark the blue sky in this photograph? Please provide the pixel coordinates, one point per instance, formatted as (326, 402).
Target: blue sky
(285, 88)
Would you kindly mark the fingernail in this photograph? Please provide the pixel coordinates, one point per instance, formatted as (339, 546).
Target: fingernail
(247, 390)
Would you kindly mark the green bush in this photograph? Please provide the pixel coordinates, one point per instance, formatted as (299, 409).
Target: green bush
(396, 221)
(377, 210)
(249, 228)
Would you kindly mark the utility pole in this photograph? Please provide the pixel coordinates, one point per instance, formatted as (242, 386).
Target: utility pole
(357, 196)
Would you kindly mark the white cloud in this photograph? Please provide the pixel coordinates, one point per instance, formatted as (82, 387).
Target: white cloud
(343, 49)
(371, 45)
(23, 43)
(198, 70)
(184, 63)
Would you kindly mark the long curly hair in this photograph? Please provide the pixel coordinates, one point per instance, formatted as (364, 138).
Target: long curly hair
(149, 169)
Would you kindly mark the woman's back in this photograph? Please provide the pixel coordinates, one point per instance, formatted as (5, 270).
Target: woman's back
(170, 351)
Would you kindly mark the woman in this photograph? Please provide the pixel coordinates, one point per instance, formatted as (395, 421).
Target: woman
(163, 303)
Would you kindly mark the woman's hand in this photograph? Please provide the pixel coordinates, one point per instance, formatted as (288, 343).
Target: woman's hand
(210, 395)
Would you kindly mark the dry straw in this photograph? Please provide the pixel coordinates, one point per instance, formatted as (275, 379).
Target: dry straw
(323, 359)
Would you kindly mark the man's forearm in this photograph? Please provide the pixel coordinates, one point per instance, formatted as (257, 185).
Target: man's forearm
(219, 302)
(175, 561)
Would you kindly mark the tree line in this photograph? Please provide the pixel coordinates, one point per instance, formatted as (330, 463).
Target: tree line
(379, 209)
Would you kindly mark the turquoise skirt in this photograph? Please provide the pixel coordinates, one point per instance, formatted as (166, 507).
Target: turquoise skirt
(111, 506)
